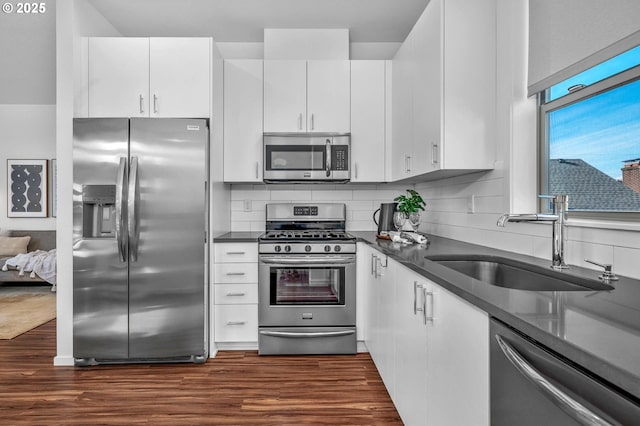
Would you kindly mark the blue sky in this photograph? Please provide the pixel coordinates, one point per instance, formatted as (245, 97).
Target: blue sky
(603, 130)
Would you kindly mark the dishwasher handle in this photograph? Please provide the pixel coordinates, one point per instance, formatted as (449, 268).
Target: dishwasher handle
(573, 408)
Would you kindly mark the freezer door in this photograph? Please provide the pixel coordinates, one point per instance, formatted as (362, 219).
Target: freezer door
(167, 222)
(100, 290)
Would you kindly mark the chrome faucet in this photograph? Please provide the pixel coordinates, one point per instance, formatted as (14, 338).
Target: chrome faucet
(560, 205)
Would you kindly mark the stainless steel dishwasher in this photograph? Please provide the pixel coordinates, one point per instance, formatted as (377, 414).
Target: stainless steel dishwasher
(531, 385)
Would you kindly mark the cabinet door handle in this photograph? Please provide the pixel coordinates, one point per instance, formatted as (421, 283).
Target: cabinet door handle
(236, 252)
(235, 273)
(355, 170)
(300, 121)
(236, 294)
(236, 323)
(416, 286)
(312, 121)
(257, 168)
(434, 153)
(141, 104)
(427, 294)
(155, 103)
(373, 264)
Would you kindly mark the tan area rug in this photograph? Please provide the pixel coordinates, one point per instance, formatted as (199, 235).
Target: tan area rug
(20, 313)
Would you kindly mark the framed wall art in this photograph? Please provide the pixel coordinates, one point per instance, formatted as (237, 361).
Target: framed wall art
(53, 185)
(27, 188)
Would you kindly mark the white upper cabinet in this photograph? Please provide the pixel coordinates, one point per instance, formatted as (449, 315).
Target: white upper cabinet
(179, 78)
(368, 124)
(243, 120)
(306, 96)
(142, 77)
(285, 96)
(328, 96)
(445, 92)
(118, 77)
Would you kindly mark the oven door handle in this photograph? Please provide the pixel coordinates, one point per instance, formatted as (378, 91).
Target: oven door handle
(313, 334)
(307, 261)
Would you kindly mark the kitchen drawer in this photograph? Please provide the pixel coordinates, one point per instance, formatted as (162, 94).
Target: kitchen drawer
(233, 294)
(236, 323)
(236, 273)
(236, 252)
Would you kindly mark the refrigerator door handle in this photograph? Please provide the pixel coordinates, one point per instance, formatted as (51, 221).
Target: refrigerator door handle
(121, 199)
(132, 216)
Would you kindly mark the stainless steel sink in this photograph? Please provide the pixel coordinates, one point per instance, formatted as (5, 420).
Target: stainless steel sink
(504, 272)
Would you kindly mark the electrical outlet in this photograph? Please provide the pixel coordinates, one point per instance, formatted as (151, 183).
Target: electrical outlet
(471, 204)
(247, 205)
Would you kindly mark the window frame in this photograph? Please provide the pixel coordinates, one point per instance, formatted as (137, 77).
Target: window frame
(610, 83)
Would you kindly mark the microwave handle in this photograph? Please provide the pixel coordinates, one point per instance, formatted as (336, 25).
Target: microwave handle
(328, 154)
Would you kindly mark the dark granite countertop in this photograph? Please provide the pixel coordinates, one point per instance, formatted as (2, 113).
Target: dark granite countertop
(238, 237)
(599, 330)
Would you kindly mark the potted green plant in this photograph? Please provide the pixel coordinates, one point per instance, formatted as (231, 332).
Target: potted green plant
(410, 206)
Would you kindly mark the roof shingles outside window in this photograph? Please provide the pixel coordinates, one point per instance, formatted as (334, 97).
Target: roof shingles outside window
(588, 188)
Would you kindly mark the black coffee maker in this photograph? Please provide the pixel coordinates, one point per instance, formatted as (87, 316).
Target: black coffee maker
(385, 218)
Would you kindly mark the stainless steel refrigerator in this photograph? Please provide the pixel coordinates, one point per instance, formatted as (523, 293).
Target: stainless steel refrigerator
(140, 216)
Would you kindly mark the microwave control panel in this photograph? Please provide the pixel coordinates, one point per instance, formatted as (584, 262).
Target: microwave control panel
(340, 157)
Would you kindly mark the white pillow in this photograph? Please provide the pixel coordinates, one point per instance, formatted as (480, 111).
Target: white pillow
(10, 246)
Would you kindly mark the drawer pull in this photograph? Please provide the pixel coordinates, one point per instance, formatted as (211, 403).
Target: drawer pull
(236, 322)
(236, 294)
(235, 273)
(236, 252)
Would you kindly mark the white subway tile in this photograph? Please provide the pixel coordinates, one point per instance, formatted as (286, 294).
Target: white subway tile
(625, 262)
(323, 195)
(250, 195)
(290, 195)
(240, 226)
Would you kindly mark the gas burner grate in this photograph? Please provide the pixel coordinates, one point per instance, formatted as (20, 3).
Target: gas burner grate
(307, 235)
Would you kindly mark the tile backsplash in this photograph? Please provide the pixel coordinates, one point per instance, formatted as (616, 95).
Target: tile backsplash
(248, 201)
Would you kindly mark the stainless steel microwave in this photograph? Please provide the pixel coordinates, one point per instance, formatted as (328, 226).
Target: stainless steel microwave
(307, 157)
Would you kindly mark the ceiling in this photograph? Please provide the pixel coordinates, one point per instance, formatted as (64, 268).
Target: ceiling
(244, 20)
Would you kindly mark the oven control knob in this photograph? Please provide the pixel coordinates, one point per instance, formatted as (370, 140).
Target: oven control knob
(327, 248)
(287, 248)
(307, 248)
(336, 248)
(277, 249)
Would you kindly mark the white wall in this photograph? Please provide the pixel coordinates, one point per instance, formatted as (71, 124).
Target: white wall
(361, 200)
(511, 186)
(357, 51)
(26, 132)
(27, 49)
(27, 99)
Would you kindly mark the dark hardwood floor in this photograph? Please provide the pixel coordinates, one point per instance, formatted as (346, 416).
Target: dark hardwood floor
(235, 388)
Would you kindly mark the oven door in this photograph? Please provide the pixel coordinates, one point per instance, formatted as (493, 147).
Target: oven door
(307, 290)
(292, 158)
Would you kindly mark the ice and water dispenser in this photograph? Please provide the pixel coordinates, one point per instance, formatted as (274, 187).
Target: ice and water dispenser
(98, 211)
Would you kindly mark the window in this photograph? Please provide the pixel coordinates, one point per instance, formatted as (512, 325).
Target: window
(590, 144)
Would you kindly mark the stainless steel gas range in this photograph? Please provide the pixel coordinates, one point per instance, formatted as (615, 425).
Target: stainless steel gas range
(307, 281)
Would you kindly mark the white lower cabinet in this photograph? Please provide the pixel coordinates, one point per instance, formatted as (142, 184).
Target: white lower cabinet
(235, 296)
(236, 323)
(410, 332)
(430, 346)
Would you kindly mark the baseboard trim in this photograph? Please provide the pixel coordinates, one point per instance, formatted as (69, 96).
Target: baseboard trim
(63, 361)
